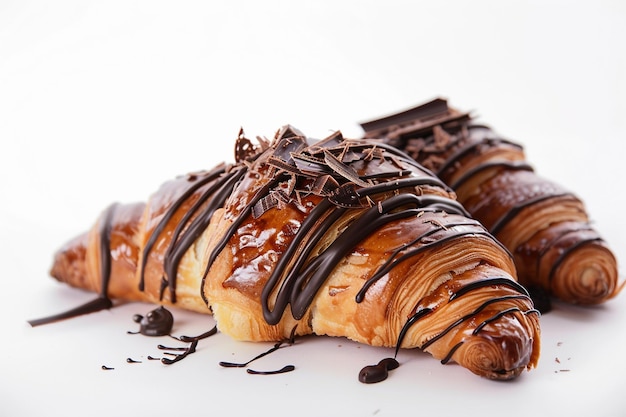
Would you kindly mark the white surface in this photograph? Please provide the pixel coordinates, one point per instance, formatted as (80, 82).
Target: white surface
(104, 101)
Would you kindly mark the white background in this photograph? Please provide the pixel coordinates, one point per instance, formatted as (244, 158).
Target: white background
(104, 101)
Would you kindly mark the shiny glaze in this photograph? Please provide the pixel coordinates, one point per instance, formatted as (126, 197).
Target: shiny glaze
(317, 186)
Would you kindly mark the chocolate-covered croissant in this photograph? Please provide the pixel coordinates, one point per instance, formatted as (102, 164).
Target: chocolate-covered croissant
(335, 237)
(544, 225)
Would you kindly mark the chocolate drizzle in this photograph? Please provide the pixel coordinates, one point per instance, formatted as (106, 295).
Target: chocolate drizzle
(302, 282)
(193, 223)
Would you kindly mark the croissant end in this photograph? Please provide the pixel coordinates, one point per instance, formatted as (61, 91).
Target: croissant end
(69, 265)
(501, 352)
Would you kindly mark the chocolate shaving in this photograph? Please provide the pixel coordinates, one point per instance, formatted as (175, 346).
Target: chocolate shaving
(310, 164)
(332, 141)
(288, 131)
(328, 168)
(347, 196)
(264, 204)
(324, 185)
(244, 149)
(279, 163)
(412, 122)
(343, 169)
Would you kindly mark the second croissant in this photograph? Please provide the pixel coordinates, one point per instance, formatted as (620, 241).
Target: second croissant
(546, 227)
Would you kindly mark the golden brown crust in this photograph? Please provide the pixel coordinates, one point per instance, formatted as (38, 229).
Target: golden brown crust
(340, 238)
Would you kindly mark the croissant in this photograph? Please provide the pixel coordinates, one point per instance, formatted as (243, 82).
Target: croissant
(546, 227)
(337, 237)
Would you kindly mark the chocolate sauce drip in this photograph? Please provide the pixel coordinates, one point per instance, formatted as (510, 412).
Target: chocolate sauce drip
(199, 337)
(179, 357)
(158, 322)
(283, 370)
(188, 350)
(318, 213)
(164, 285)
(379, 372)
(259, 356)
(274, 348)
(87, 308)
(163, 347)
